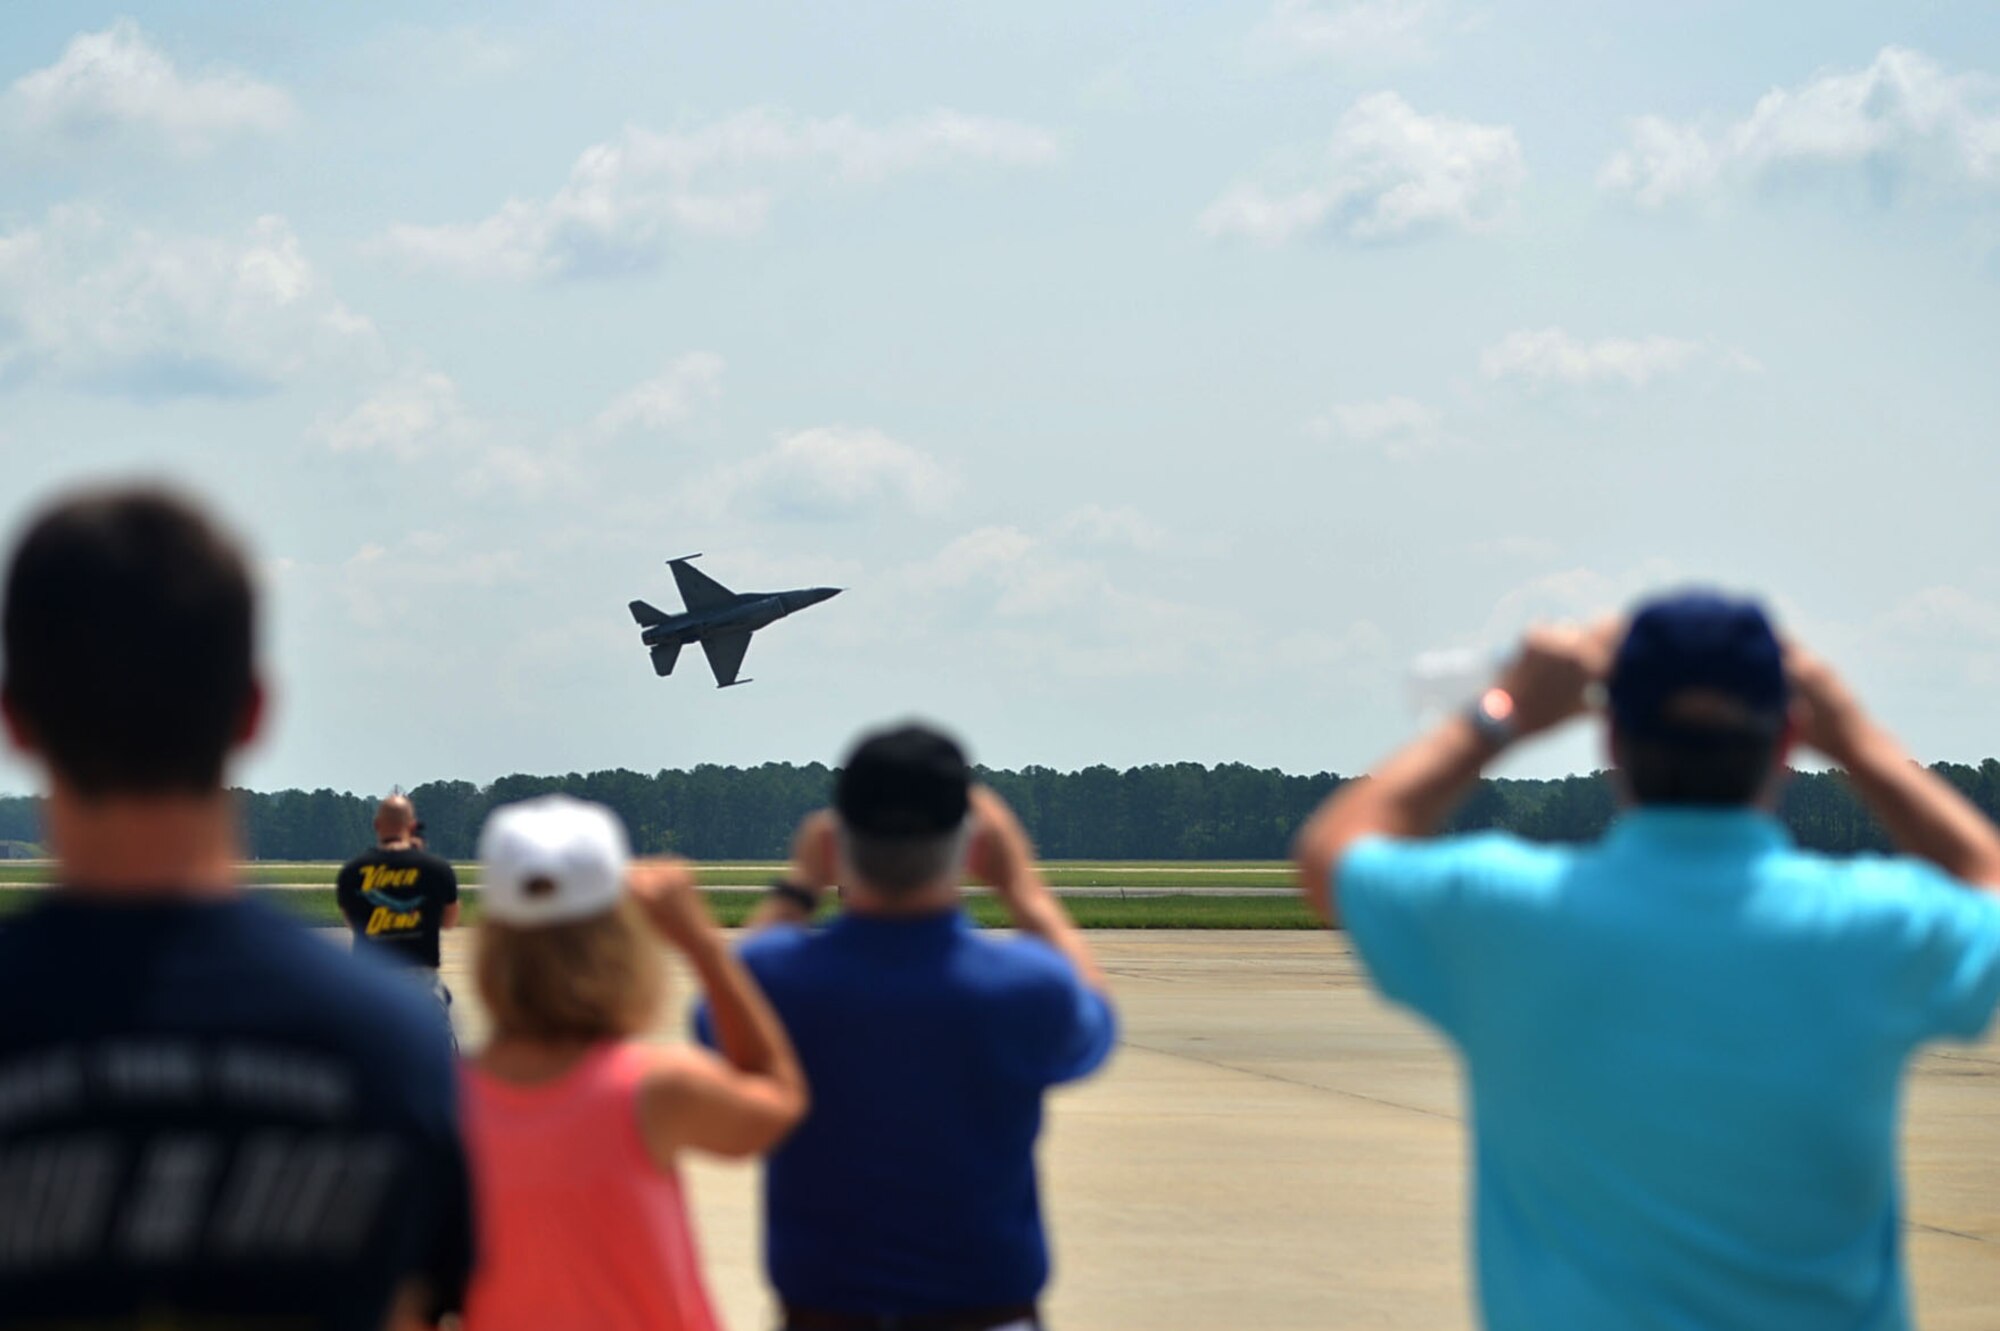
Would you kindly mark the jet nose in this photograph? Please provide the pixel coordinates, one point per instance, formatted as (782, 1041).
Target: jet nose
(818, 594)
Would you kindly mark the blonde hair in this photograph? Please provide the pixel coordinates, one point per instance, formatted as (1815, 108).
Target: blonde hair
(592, 979)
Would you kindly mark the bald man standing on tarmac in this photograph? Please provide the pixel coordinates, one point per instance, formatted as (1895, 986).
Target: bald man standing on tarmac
(398, 898)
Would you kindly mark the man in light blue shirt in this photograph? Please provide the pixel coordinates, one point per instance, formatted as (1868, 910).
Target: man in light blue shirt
(1685, 1043)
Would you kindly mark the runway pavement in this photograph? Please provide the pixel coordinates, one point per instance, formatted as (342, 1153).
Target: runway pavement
(1275, 1149)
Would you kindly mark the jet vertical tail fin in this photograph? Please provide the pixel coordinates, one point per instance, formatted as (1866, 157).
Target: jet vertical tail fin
(664, 657)
(645, 615)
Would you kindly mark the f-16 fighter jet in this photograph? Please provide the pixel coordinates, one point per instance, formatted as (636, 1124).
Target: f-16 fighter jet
(717, 618)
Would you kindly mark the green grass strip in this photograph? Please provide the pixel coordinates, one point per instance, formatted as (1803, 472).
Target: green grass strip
(1132, 876)
(1182, 911)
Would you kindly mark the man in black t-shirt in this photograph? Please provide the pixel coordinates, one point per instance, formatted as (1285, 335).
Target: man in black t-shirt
(398, 897)
(208, 1117)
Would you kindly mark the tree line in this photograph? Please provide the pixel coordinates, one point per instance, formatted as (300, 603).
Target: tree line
(1173, 811)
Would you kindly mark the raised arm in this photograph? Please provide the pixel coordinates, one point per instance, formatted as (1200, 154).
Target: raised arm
(815, 852)
(1415, 790)
(1925, 816)
(1002, 858)
(744, 1102)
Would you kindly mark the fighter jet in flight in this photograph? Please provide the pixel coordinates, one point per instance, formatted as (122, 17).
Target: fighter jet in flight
(717, 618)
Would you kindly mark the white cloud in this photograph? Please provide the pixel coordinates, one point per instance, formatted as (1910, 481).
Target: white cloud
(115, 86)
(1113, 527)
(1370, 33)
(625, 198)
(833, 471)
(1388, 174)
(386, 588)
(1058, 601)
(129, 312)
(420, 415)
(1938, 640)
(1543, 356)
(416, 415)
(1045, 603)
(667, 399)
(1399, 426)
(1577, 595)
(1903, 120)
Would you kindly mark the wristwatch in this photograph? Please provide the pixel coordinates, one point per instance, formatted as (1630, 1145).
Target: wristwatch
(1491, 717)
(804, 898)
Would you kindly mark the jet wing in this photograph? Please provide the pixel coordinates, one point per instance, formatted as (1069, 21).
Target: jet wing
(725, 656)
(698, 590)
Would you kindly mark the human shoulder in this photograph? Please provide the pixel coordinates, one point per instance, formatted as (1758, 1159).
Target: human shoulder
(1496, 865)
(364, 985)
(778, 947)
(1876, 891)
(1019, 966)
(433, 863)
(781, 940)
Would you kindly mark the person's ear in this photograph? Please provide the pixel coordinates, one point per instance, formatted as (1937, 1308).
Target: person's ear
(1781, 761)
(18, 734)
(250, 721)
(1614, 754)
(17, 730)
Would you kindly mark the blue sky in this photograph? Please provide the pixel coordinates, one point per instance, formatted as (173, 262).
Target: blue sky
(1160, 384)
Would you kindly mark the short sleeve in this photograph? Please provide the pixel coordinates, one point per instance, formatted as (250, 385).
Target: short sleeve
(1411, 906)
(1954, 940)
(756, 953)
(449, 1251)
(1087, 1034)
(347, 891)
(1061, 1028)
(450, 879)
(441, 1206)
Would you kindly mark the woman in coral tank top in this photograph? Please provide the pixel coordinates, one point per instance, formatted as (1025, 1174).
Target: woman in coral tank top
(573, 1124)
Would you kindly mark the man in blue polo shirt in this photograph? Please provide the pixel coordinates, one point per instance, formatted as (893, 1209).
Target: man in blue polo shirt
(1685, 1043)
(908, 1199)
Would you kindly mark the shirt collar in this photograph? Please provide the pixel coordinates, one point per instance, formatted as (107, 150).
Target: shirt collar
(887, 930)
(1684, 829)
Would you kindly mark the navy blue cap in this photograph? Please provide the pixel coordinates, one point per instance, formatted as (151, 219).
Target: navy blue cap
(1699, 642)
(906, 782)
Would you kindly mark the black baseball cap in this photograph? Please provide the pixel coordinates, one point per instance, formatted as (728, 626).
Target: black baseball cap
(1699, 643)
(907, 781)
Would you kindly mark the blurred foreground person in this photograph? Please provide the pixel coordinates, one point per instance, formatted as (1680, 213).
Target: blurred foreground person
(907, 1200)
(398, 898)
(1686, 1042)
(575, 1123)
(208, 1117)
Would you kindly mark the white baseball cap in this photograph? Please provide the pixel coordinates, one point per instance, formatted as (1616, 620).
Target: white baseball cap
(551, 860)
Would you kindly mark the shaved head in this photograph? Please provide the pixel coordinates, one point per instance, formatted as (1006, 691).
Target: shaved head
(394, 817)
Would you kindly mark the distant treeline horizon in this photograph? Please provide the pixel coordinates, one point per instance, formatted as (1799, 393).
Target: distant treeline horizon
(1173, 811)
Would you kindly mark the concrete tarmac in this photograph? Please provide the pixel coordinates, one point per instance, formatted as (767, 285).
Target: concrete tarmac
(1274, 1148)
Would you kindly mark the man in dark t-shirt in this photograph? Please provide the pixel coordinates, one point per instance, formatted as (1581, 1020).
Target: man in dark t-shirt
(398, 897)
(208, 1117)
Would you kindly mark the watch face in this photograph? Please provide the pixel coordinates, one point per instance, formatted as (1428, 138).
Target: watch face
(1493, 717)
